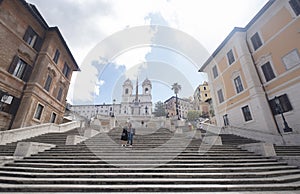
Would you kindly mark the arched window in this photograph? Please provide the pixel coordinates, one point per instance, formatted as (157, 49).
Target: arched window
(146, 90)
(126, 91)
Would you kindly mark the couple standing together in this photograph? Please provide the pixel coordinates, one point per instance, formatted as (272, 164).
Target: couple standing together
(127, 134)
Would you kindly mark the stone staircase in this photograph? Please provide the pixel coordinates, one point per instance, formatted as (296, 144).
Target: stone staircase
(49, 138)
(159, 161)
(287, 150)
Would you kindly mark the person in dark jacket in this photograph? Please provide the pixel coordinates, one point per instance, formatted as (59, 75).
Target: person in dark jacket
(124, 136)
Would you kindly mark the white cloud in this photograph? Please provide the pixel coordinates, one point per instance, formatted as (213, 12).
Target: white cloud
(98, 84)
(85, 23)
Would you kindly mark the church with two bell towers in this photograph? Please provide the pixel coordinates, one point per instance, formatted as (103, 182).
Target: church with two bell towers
(133, 103)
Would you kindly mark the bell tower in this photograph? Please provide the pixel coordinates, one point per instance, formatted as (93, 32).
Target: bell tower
(127, 88)
(147, 87)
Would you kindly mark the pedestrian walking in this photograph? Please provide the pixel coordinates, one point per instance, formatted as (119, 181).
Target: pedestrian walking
(130, 133)
(124, 137)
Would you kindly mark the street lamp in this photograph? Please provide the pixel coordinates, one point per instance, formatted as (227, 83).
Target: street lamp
(280, 111)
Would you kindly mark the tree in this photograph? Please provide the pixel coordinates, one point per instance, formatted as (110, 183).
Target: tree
(176, 87)
(193, 115)
(159, 109)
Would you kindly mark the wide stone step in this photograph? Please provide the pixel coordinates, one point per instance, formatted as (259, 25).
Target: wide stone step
(124, 161)
(149, 157)
(148, 187)
(150, 174)
(159, 181)
(142, 165)
(154, 152)
(145, 168)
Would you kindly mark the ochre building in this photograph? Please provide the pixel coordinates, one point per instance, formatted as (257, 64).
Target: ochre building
(254, 75)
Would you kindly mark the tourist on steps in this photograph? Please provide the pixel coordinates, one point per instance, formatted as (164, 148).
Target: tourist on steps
(130, 133)
(124, 136)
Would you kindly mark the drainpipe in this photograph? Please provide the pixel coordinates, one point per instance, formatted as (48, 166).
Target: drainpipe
(263, 87)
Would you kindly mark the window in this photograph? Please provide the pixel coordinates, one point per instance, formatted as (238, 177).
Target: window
(204, 88)
(205, 95)
(215, 71)
(59, 94)
(32, 39)
(247, 113)
(295, 4)
(20, 69)
(238, 84)
(126, 91)
(53, 118)
(225, 119)
(66, 70)
(220, 96)
(283, 106)
(256, 42)
(230, 57)
(48, 83)
(291, 60)
(38, 112)
(268, 71)
(56, 56)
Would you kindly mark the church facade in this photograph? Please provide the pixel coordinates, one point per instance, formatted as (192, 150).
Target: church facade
(132, 103)
(136, 104)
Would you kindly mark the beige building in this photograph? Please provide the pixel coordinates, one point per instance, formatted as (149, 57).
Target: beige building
(256, 64)
(202, 99)
(184, 105)
(36, 66)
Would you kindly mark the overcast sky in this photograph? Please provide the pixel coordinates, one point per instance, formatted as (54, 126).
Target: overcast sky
(84, 24)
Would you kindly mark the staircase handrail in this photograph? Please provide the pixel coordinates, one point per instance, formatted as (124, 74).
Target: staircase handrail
(18, 134)
(253, 134)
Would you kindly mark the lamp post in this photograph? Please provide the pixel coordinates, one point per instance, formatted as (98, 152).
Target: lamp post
(280, 111)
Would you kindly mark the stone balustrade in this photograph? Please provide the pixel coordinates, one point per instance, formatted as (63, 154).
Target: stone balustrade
(14, 135)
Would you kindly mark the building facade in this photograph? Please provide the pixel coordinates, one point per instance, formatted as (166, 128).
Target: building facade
(255, 72)
(202, 99)
(184, 106)
(36, 66)
(133, 103)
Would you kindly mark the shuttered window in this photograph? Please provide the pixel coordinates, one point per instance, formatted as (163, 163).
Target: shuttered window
(230, 57)
(247, 113)
(256, 41)
(56, 56)
(295, 4)
(283, 106)
(238, 84)
(59, 94)
(66, 70)
(53, 118)
(32, 39)
(20, 69)
(48, 83)
(215, 71)
(220, 96)
(39, 111)
(268, 71)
